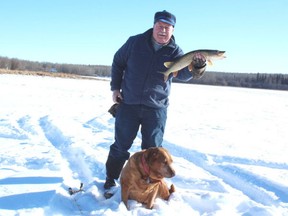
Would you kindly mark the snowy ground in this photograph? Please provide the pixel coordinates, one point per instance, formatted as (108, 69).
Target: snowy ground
(229, 147)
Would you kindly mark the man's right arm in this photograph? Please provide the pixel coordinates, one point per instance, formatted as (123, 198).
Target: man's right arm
(118, 66)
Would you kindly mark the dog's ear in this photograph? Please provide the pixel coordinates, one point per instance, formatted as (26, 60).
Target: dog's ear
(152, 154)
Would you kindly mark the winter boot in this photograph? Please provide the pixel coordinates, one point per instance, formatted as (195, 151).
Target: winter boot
(113, 169)
(109, 183)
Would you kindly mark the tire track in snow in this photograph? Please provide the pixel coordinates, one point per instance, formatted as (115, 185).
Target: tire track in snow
(74, 156)
(256, 188)
(245, 161)
(280, 191)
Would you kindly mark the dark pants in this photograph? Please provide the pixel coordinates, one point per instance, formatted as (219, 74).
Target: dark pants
(128, 120)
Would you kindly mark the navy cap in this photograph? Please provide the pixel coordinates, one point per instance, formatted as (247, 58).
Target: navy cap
(166, 17)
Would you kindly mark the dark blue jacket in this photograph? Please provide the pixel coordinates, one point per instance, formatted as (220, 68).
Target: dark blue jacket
(135, 71)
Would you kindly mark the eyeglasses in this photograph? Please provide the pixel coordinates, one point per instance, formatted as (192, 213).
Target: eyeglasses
(160, 26)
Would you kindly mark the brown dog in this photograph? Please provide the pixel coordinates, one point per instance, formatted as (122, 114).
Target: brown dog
(142, 178)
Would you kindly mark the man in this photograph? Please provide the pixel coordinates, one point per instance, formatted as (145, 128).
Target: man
(143, 93)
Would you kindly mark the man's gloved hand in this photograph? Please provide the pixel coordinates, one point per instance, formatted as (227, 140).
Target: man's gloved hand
(199, 64)
(198, 61)
(113, 109)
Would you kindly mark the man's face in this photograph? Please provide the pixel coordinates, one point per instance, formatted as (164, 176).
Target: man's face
(162, 32)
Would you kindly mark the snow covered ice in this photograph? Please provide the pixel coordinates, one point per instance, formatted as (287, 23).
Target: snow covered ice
(229, 147)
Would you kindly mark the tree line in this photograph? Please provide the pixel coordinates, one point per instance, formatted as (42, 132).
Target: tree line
(248, 80)
(83, 70)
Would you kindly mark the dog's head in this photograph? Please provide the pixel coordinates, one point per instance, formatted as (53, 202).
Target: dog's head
(159, 162)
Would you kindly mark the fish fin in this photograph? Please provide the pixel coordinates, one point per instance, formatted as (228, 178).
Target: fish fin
(168, 64)
(209, 62)
(175, 73)
(190, 67)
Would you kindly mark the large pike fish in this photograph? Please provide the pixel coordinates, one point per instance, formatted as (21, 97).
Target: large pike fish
(186, 60)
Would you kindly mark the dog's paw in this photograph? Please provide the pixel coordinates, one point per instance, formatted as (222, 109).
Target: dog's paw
(172, 189)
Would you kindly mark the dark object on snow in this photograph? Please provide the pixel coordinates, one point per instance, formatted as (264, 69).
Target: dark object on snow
(71, 192)
(113, 109)
(108, 195)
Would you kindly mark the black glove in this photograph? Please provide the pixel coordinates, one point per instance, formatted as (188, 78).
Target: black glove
(198, 63)
(113, 109)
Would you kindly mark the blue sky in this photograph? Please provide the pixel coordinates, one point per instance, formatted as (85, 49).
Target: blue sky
(253, 33)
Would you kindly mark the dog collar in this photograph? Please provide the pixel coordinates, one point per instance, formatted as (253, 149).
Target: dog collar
(147, 171)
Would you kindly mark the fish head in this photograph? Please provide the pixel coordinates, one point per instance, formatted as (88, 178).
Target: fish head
(221, 54)
(214, 54)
